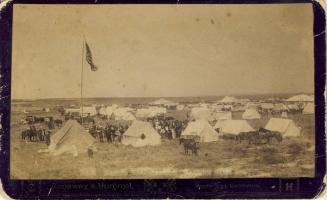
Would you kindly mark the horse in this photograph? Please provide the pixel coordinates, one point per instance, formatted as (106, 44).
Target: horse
(190, 144)
(25, 134)
(262, 136)
(58, 122)
(229, 137)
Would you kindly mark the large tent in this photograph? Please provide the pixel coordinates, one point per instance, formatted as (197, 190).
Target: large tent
(151, 111)
(228, 99)
(293, 107)
(88, 110)
(109, 110)
(219, 115)
(284, 114)
(251, 114)
(143, 113)
(164, 102)
(201, 128)
(267, 106)
(252, 105)
(233, 126)
(309, 109)
(301, 98)
(279, 107)
(141, 134)
(71, 138)
(72, 110)
(123, 113)
(286, 127)
(199, 113)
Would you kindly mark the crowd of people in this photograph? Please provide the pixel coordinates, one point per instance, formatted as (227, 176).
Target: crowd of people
(168, 127)
(109, 132)
(34, 134)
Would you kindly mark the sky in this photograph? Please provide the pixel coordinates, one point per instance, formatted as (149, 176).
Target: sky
(162, 50)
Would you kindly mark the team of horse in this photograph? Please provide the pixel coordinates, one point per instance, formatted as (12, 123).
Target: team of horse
(36, 135)
(262, 136)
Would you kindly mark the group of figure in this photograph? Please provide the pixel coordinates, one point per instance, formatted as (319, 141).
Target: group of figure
(110, 133)
(33, 134)
(168, 128)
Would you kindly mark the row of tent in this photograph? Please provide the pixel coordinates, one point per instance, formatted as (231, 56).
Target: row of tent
(126, 113)
(73, 138)
(205, 113)
(296, 98)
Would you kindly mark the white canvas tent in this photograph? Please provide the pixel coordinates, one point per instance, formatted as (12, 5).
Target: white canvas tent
(267, 106)
(142, 113)
(219, 115)
(123, 114)
(201, 113)
(286, 127)
(180, 107)
(293, 107)
(141, 134)
(233, 126)
(72, 110)
(228, 99)
(201, 128)
(252, 105)
(284, 114)
(164, 102)
(219, 124)
(301, 98)
(71, 138)
(88, 111)
(109, 110)
(251, 114)
(309, 109)
(128, 117)
(280, 107)
(155, 110)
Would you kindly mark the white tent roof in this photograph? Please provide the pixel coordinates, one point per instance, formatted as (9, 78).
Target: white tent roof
(109, 110)
(292, 106)
(219, 124)
(129, 116)
(143, 112)
(309, 109)
(180, 107)
(201, 113)
(228, 99)
(267, 106)
(162, 101)
(71, 138)
(133, 135)
(280, 107)
(234, 126)
(219, 115)
(252, 105)
(286, 127)
(301, 97)
(251, 114)
(201, 128)
(89, 110)
(284, 114)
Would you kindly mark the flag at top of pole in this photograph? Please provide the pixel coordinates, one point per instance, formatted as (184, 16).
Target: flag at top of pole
(89, 58)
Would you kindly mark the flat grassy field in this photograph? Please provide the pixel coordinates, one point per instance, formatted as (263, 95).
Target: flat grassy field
(293, 157)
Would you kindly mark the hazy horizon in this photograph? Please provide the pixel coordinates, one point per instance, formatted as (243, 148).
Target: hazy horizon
(158, 97)
(158, 51)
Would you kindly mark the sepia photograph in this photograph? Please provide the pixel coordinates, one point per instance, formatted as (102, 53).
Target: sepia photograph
(193, 91)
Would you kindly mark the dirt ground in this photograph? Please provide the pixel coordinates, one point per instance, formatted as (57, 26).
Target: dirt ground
(293, 157)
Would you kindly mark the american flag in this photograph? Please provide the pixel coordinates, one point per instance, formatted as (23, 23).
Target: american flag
(89, 58)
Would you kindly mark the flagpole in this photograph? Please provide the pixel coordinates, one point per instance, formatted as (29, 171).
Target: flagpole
(83, 44)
